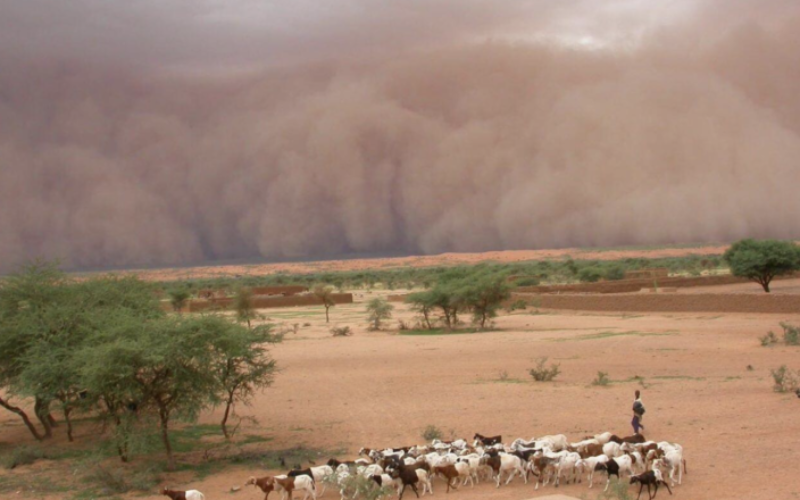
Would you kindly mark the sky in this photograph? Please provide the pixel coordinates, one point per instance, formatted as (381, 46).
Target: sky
(172, 132)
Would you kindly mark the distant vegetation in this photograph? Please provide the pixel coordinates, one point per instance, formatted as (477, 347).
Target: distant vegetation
(531, 273)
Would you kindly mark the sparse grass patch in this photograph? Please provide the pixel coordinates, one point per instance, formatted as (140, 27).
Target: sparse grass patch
(601, 379)
(23, 455)
(791, 334)
(605, 335)
(542, 373)
(341, 331)
(769, 339)
(439, 331)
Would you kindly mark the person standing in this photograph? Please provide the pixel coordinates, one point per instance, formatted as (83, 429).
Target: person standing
(638, 413)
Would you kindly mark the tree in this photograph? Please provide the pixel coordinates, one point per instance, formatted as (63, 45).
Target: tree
(160, 367)
(378, 310)
(484, 295)
(243, 366)
(243, 305)
(325, 294)
(178, 298)
(423, 303)
(761, 261)
(46, 318)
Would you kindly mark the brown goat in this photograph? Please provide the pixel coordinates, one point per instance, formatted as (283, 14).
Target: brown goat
(449, 472)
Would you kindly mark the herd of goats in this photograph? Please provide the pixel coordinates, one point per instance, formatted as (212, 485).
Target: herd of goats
(548, 459)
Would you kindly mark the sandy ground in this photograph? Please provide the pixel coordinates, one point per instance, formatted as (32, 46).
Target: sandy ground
(213, 271)
(381, 389)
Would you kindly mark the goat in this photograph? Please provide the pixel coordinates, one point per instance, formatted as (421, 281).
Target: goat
(182, 495)
(590, 465)
(487, 441)
(612, 449)
(566, 466)
(542, 467)
(602, 438)
(407, 476)
(647, 479)
(286, 484)
(672, 460)
(615, 466)
(591, 450)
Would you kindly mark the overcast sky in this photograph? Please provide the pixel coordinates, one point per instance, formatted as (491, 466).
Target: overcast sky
(191, 33)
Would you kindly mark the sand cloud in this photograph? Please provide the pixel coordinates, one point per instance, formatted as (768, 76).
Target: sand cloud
(456, 139)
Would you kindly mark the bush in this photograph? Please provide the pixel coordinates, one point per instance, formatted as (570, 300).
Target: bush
(402, 325)
(602, 379)
(590, 274)
(544, 374)
(791, 334)
(23, 455)
(768, 339)
(785, 379)
(615, 272)
(519, 305)
(527, 281)
(341, 331)
(378, 310)
(432, 432)
(116, 480)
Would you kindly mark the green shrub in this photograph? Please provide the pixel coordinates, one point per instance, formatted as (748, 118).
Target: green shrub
(519, 305)
(602, 379)
(615, 272)
(791, 334)
(527, 281)
(785, 379)
(432, 432)
(543, 373)
(590, 274)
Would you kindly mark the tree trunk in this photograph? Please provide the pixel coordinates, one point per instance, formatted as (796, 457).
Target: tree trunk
(765, 286)
(24, 416)
(425, 314)
(327, 319)
(224, 423)
(67, 411)
(42, 412)
(164, 416)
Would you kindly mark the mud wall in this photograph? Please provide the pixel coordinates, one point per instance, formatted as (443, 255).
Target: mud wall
(646, 302)
(627, 286)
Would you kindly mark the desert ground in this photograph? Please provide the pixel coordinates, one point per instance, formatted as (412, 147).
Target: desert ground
(383, 388)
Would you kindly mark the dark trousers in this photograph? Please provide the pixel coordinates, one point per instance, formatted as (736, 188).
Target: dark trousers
(636, 424)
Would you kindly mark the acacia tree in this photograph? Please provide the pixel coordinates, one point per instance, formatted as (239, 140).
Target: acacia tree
(243, 305)
(243, 366)
(378, 310)
(178, 298)
(423, 303)
(484, 295)
(761, 261)
(325, 294)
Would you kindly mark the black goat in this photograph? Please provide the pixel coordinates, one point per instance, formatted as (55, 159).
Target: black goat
(488, 441)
